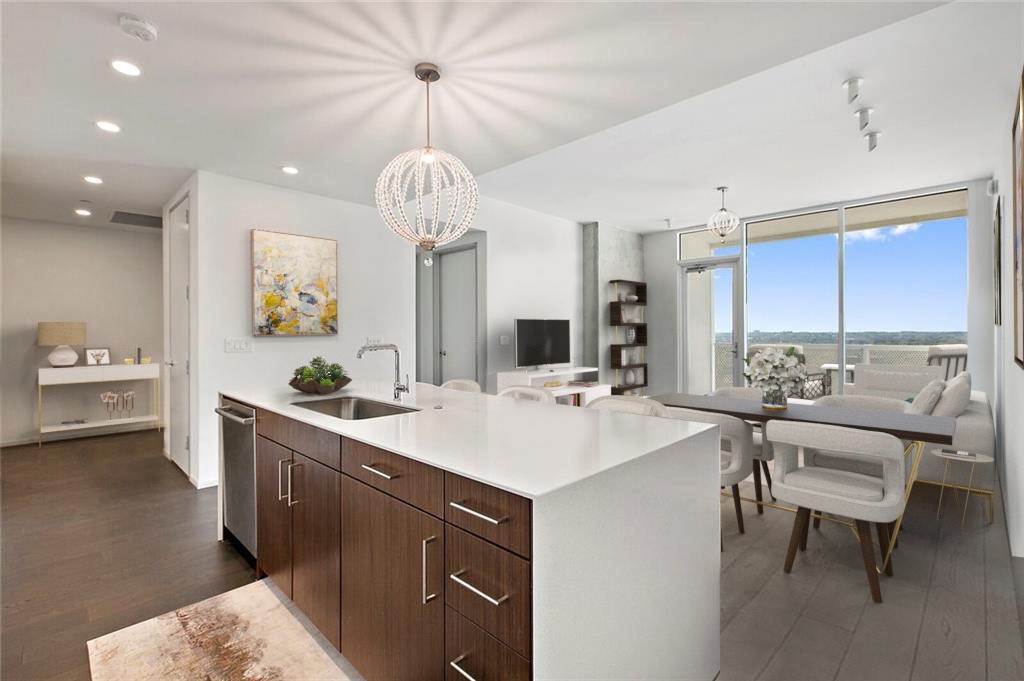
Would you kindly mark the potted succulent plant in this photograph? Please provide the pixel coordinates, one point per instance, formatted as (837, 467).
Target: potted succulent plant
(318, 377)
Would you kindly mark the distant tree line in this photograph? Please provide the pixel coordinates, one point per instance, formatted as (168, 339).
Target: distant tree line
(854, 337)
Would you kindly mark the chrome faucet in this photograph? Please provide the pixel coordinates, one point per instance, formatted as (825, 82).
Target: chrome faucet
(399, 386)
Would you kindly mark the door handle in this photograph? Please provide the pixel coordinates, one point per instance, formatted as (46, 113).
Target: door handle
(444, 353)
(280, 497)
(455, 665)
(456, 577)
(169, 362)
(291, 501)
(458, 506)
(230, 416)
(426, 598)
(373, 469)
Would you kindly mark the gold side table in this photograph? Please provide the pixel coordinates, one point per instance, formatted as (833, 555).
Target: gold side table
(950, 471)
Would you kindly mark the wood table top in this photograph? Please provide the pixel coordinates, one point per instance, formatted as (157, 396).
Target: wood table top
(935, 429)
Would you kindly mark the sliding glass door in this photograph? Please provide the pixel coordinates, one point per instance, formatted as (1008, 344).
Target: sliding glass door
(712, 327)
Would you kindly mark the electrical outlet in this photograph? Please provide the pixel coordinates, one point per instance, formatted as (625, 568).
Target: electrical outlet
(237, 345)
(503, 339)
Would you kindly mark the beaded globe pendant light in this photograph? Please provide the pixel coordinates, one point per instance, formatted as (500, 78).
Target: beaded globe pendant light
(425, 195)
(724, 222)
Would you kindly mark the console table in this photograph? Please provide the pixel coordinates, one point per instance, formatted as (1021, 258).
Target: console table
(107, 373)
(538, 377)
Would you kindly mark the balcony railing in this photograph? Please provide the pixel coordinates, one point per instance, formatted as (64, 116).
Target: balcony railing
(821, 354)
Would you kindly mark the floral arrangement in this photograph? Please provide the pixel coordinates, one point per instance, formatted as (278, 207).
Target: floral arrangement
(319, 377)
(773, 369)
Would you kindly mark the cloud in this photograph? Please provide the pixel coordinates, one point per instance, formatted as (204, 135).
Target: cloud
(882, 233)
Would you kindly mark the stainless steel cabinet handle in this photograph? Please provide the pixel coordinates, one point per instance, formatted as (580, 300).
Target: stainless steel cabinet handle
(377, 472)
(466, 585)
(230, 416)
(455, 665)
(291, 502)
(280, 497)
(476, 514)
(426, 597)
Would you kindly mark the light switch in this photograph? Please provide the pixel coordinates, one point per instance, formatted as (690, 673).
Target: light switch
(503, 340)
(237, 345)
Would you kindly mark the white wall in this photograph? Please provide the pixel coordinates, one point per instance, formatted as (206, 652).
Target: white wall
(106, 277)
(663, 323)
(534, 270)
(376, 285)
(1009, 391)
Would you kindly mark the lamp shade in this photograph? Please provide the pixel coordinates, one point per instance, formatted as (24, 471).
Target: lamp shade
(52, 334)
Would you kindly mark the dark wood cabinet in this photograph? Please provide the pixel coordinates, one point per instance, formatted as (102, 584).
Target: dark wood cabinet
(316, 558)
(273, 517)
(471, 650)
(392, 586)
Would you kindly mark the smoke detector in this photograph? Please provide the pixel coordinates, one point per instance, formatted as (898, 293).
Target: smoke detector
(137, 27)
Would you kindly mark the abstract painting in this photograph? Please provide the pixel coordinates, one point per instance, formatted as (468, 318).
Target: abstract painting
(1018, 227)
(294, 285)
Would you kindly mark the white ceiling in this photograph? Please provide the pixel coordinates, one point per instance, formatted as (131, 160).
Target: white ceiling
(242, 89)
(943, 86)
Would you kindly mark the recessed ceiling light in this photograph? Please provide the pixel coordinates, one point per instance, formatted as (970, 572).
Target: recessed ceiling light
(92, 179)
(108, 126)
(125, 67)
(84, 212)
(289, 170)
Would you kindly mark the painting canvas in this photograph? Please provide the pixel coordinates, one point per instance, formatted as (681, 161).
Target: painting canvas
(294, 285)
(1018, 227)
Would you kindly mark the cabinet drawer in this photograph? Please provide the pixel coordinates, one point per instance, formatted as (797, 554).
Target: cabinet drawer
(487, 512)
(317, 444)
(478, 654)
(411, 481)
(490, 586)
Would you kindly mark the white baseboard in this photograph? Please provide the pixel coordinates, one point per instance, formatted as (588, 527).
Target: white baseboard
(202, 484)
(77, 435)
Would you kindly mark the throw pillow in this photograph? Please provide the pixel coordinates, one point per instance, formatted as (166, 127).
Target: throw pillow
(926, 400)
(955, 397)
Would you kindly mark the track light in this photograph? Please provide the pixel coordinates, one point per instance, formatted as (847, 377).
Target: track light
(863, 117)
(852, 86)
(872, 138)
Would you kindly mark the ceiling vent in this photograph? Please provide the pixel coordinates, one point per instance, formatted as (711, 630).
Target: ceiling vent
(121, 217)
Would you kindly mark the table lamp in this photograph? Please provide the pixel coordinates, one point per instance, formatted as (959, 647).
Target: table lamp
(61, 336)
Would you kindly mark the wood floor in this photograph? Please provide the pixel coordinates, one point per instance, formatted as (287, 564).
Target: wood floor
(105, 532)
(99, 533)
(949, 611)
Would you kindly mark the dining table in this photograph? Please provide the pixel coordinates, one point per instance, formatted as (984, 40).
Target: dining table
(916, 429)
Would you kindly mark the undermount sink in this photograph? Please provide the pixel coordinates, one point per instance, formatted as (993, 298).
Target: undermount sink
(354, 408)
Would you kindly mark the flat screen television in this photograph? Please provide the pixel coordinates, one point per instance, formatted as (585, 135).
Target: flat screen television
(542, 341)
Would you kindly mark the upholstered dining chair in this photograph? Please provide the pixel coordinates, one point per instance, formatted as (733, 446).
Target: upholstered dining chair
(526, 392)
(465, 385)
(629, 404)
(762, 448)
(863, 498)
(736, 453)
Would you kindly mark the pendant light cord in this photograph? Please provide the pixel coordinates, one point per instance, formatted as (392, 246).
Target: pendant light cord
(428, 114)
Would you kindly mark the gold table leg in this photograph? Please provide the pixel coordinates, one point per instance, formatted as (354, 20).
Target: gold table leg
(968, 499)
(942, 489)
(919, 445)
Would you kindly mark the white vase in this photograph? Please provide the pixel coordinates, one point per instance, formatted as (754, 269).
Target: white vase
(630, 377)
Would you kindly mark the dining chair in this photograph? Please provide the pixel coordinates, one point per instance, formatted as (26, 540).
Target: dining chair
(529, 393)
(736, 454)
(465, 385)
(863, 498)
(762, 448)
(629, 404)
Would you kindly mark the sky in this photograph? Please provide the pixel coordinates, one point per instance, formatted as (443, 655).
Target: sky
(901, 278)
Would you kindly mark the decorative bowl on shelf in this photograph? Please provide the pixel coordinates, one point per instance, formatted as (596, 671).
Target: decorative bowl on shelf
(632, 298)
(315, 388)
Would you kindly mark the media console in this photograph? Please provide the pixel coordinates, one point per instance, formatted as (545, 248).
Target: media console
(582, 395)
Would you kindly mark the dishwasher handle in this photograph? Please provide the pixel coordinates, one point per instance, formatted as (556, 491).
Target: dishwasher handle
(231, 416)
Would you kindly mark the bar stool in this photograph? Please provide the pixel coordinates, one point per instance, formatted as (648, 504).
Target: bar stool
(526, 392)
(465, 385)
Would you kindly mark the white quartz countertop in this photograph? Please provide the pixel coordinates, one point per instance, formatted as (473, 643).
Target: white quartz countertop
(527, 448)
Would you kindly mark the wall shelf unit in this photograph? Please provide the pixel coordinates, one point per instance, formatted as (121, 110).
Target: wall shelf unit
(629, 317)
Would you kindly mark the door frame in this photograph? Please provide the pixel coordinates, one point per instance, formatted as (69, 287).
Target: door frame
(172, 258)
(473, 240)
(735, 263)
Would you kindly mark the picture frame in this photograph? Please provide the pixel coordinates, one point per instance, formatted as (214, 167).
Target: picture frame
(97, 356)
(1017, 222)
(997, 259)
(294, 284)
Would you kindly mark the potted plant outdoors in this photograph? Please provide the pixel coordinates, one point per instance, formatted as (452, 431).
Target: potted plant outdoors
(775, 372)
(319, 378)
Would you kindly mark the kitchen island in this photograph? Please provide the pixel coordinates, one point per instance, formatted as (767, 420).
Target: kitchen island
(477, 537)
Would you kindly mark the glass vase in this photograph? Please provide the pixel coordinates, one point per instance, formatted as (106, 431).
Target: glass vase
(774, 398)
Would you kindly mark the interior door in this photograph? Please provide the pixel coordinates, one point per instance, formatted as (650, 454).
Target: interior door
(456, 314)
(712, 328)
(273, 517)
(392, 586)
(177, 359)
(316, 564)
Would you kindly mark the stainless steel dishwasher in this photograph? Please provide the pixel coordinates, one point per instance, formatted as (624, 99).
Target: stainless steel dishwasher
(238, 438)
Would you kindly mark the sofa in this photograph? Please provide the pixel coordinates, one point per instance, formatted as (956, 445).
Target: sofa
(886, 387)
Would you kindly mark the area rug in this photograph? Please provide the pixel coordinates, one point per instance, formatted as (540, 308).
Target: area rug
(247, 634)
